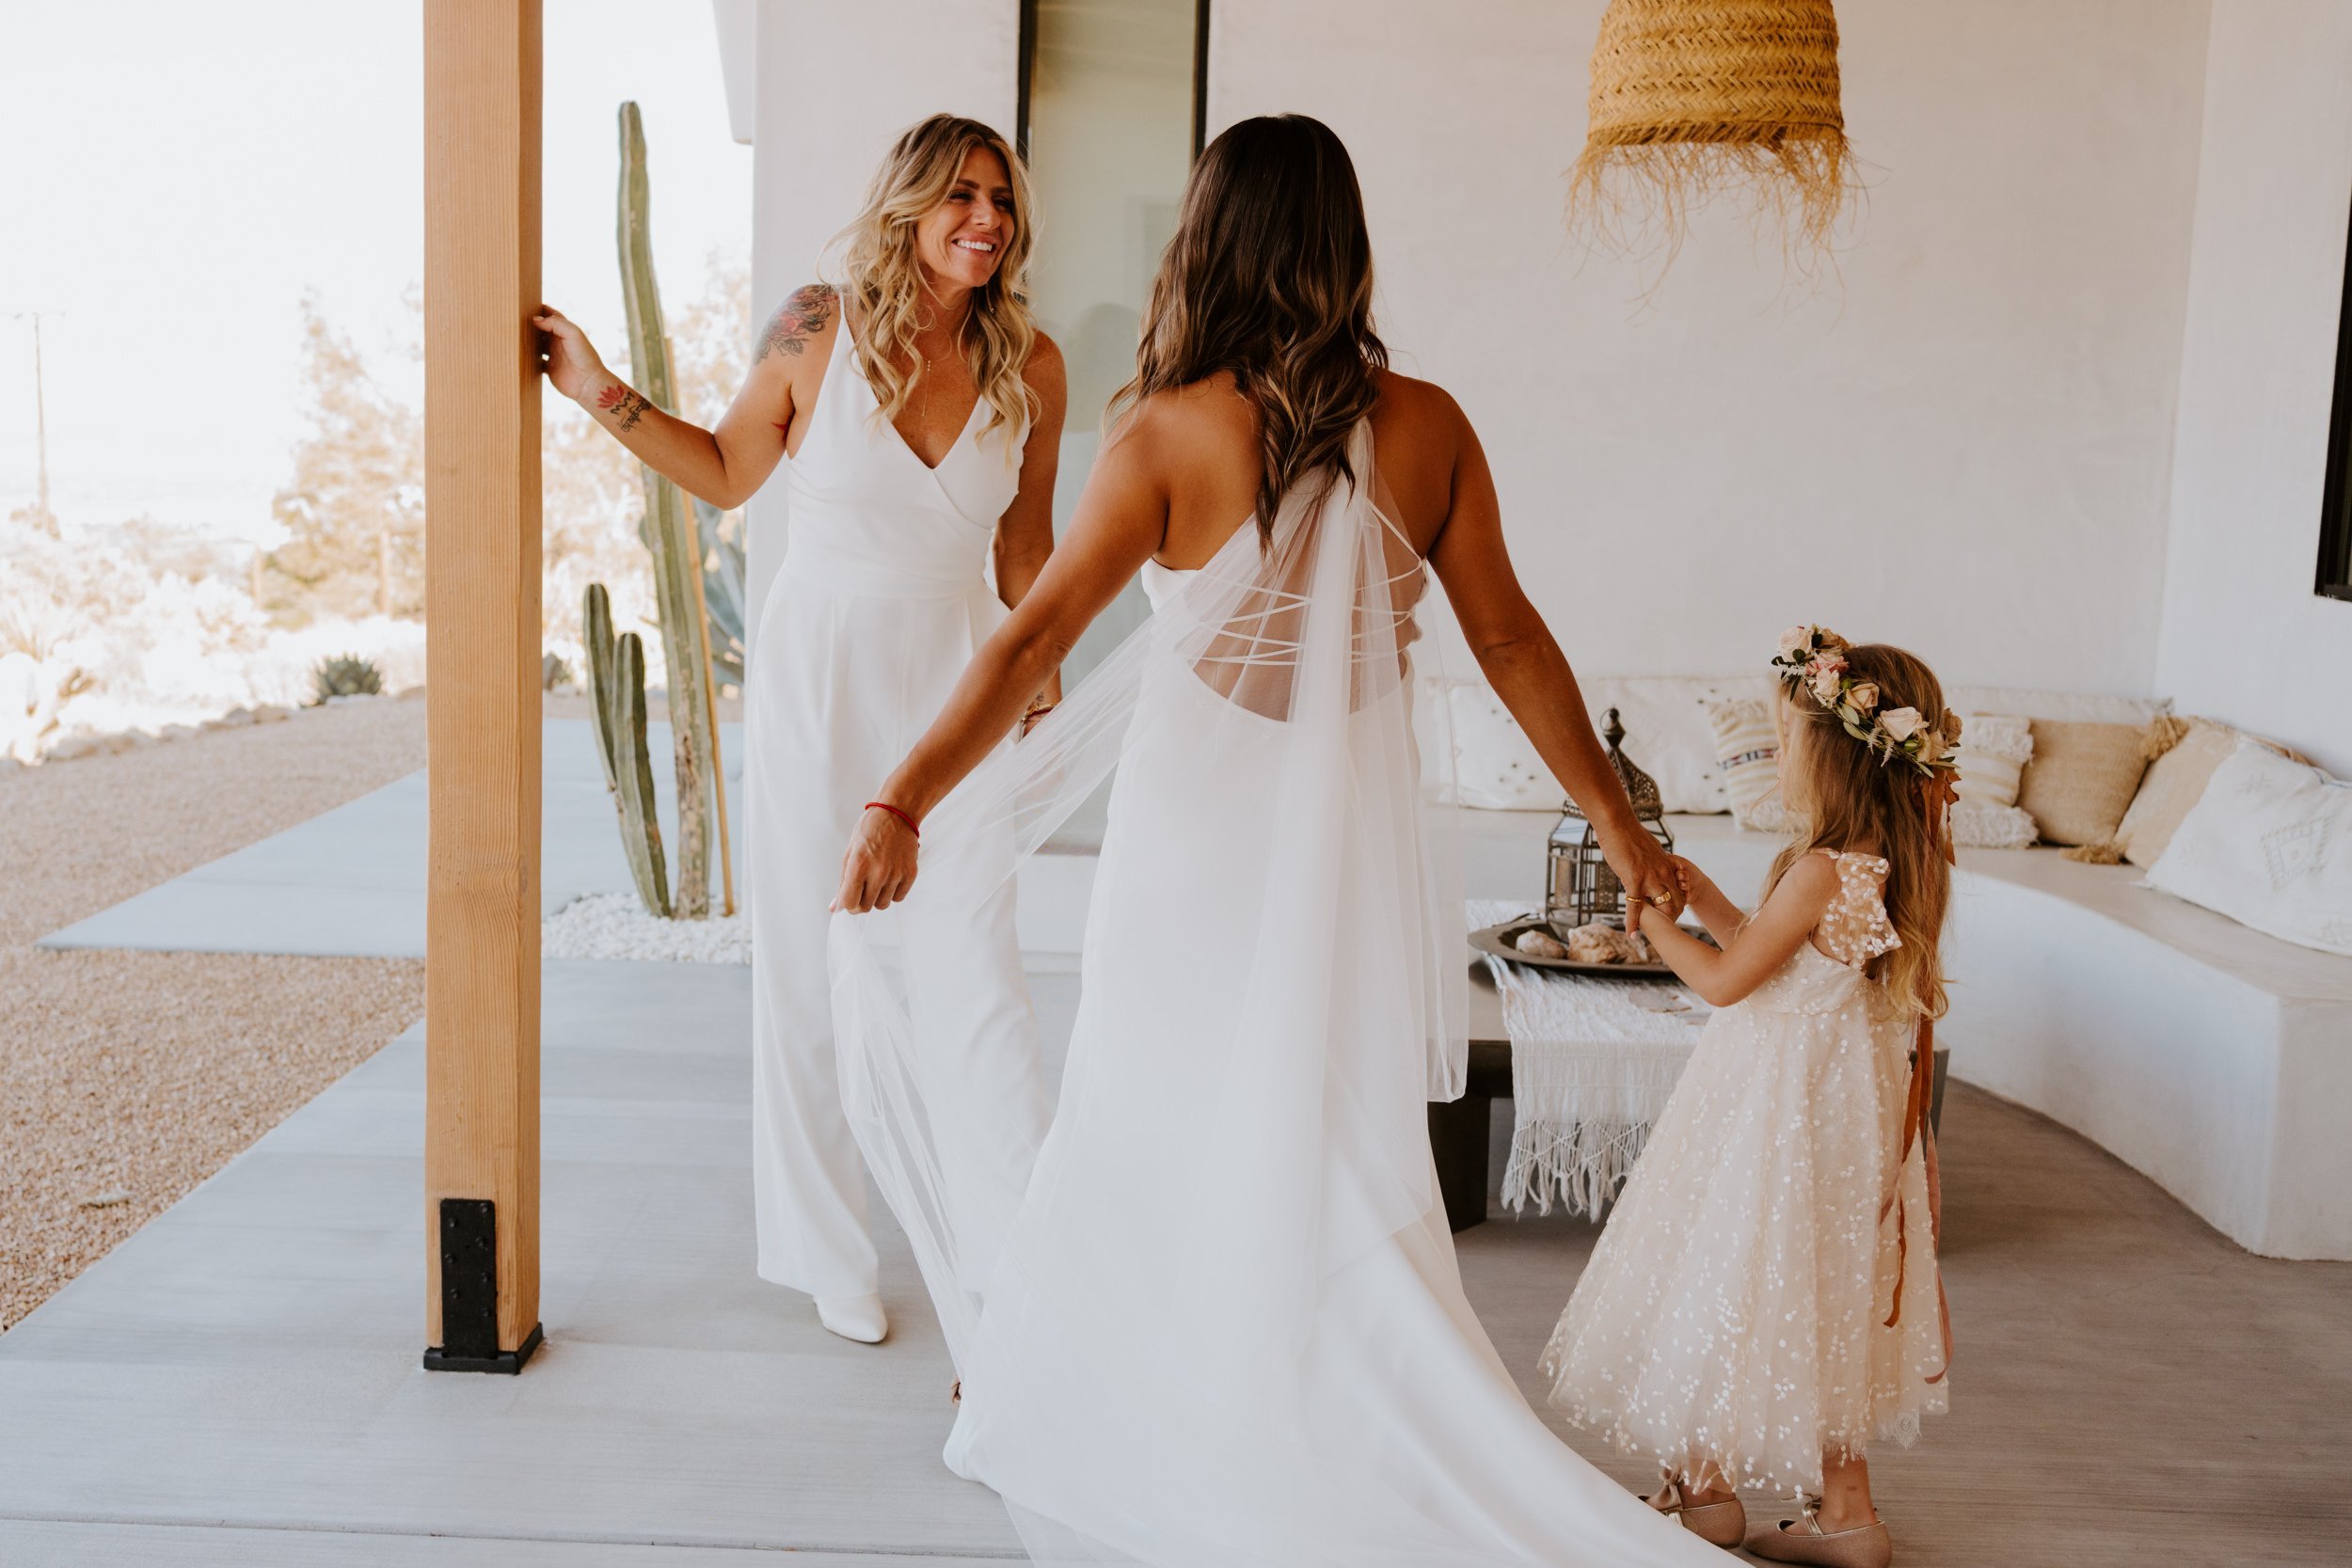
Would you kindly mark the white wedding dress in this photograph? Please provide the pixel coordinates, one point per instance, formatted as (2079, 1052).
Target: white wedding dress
(1226, 1327)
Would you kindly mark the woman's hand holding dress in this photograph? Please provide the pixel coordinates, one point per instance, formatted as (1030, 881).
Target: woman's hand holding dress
(878, 868)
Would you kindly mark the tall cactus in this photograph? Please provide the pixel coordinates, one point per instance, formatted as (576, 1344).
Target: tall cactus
(616, 684)
(672, 535)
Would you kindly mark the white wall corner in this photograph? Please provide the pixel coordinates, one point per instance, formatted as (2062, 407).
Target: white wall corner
(738, 57)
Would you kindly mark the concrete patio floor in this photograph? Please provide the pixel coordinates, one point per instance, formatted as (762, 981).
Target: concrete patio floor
(351, 882)
(239, 1382)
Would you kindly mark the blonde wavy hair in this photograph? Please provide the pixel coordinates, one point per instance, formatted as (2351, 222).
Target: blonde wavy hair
(1851, 795)
(882, 278)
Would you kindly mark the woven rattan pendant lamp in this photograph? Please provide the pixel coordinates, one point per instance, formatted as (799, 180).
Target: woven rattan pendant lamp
(1694, 98)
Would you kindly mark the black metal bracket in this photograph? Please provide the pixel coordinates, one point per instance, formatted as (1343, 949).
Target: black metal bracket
(470, 1295)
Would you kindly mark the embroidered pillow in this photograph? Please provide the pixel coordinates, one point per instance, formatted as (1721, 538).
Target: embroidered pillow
(1667, 734)
(1747, 759)
(2268, 844)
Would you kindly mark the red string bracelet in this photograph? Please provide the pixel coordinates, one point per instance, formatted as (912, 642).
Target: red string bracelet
(902, 816)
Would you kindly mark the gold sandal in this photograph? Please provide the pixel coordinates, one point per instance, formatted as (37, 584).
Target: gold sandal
(1718, 1524)
(1803, 1540)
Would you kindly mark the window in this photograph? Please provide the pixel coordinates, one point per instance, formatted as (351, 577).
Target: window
(2335, 514)
(1111, 114)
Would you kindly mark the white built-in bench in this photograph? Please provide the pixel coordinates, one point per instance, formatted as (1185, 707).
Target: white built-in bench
(2212, 1058)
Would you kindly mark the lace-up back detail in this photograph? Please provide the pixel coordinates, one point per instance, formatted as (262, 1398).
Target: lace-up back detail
(1855, 928)
(1244, 618)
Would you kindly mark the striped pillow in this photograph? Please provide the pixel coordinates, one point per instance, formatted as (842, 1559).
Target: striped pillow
(1747, 756)
(1993, 750)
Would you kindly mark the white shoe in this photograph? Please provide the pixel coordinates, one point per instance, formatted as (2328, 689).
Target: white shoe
(858, 1318)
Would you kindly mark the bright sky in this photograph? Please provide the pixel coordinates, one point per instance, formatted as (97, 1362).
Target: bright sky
(183, 172)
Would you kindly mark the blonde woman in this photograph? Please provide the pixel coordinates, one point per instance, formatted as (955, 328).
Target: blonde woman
(917, 410)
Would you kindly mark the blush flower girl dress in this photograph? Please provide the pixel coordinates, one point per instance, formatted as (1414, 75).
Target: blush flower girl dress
(1766, 1288)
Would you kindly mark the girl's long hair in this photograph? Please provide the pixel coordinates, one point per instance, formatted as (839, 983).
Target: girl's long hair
(882, 279)
(1852, 797)
(1269, 278)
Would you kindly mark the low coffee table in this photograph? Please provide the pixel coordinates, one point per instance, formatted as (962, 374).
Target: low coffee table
(1461, 1131)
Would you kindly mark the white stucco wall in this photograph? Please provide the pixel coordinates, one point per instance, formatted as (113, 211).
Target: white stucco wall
(835, 84)
(1964, 446)
(2244, 639)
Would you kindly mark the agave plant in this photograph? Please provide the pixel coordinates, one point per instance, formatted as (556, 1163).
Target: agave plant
(724, 594)
(344, 676)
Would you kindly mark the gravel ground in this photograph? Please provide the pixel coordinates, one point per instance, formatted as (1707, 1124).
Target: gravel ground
(127, 1078)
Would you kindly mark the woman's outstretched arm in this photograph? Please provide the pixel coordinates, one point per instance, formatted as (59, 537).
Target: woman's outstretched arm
(1524, 664)
(723, 465)
(1121, 517)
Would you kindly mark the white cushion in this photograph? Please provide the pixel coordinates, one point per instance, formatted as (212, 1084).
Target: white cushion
(1667, 735)
(2073, 706)
(1495, 764)
(2269, 844)
(1982, 825)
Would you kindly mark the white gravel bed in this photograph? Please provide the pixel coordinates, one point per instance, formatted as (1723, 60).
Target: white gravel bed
(615, 926)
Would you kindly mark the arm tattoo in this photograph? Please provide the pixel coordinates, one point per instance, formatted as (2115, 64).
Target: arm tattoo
(627, 408)
(808, 312)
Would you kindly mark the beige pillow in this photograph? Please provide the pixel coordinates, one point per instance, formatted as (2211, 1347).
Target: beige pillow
(1993, 750)
(2082, 778)
(1747, 760)
(2176, 781)
(2173, 784)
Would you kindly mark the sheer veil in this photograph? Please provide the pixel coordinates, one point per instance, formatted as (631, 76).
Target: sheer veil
(1274, 985)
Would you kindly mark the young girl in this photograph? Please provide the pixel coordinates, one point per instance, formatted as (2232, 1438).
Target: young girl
(1765, 1302)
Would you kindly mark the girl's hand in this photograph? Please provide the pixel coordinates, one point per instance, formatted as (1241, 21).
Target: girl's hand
(572, 363)
(878, 868)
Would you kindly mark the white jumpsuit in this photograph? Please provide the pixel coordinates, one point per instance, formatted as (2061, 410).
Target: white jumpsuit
(878, 608)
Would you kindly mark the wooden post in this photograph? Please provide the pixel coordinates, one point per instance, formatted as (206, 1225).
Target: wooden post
(482, 111)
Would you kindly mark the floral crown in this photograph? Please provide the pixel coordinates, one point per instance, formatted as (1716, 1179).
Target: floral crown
(1813, 659)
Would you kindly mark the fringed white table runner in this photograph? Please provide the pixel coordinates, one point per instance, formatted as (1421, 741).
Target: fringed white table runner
(1591, 1062)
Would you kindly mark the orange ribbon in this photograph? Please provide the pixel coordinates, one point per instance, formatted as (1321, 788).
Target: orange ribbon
(1939, 790)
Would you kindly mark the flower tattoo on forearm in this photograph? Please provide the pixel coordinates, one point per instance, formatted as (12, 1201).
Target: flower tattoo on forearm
(627, 408)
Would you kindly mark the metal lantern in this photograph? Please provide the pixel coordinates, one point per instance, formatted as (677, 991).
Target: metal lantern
(1579, 886)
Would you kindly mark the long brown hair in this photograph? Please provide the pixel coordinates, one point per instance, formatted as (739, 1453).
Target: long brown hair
(883, 282)
(1852, 797)
(1269, 278)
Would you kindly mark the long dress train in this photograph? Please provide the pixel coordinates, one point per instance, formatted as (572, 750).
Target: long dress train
(1226, 1327)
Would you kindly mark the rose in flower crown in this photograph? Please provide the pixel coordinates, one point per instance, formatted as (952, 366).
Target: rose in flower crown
(1812, 660)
